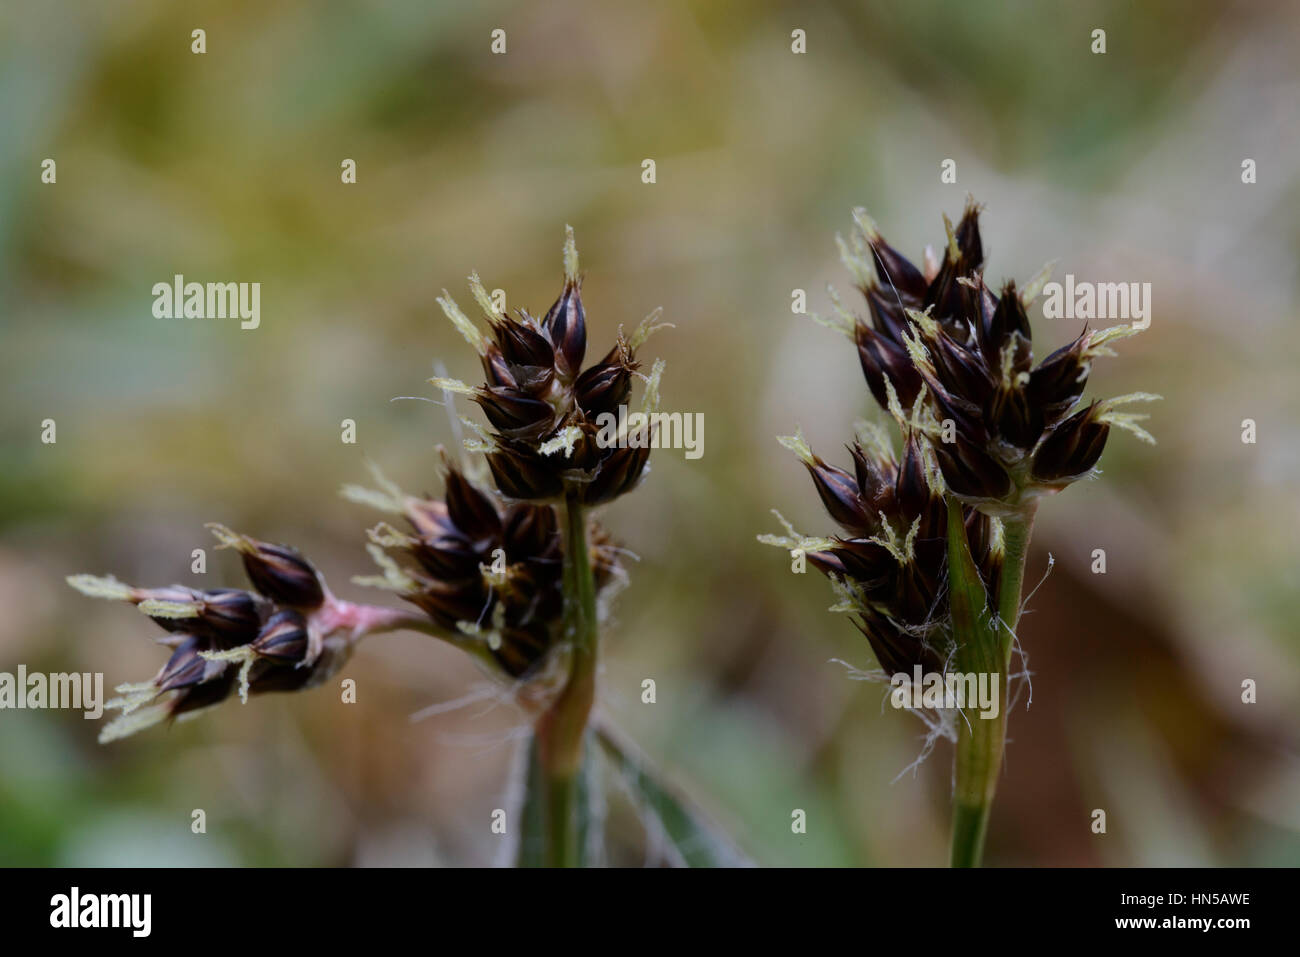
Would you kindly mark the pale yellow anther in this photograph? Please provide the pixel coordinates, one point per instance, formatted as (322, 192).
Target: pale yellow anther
(473, 335)
(570, 255)
(160, 608)
(798, 445)
(564, 440)
(230, 539)
(650, 401)
(857, 259)
(1034, 287)
(870, 231)
(95, 586)
(794, 541)
(484, 299)
(648, 327)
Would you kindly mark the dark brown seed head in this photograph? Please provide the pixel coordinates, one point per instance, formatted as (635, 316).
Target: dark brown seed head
(472, 512)
(876, 480)
(619, 472)
(282, 575)
(495, 569)
(284, 638)
(912, 490)
(941, 331)
(530, 530)
(205, 694)
(606, 385)
(997, 328)
(268, 676)
(549, 416)
(889, 312)
(450, 557)
(278, 572)
(514, 413)
(977, 369)
(1059, 380)
(897, 275)
(1012, 417)
(523, 346)
(1073, 448)
(961, 371)
(970, 472)
(565, 325)
(229, 617)
(882, 359)
(520, 472)
(896, 648)
(840, 495)
(946, 297)
(186, 667)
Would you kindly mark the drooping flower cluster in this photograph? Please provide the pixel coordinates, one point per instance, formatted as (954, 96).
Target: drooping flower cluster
(228, 640)
(544, 408)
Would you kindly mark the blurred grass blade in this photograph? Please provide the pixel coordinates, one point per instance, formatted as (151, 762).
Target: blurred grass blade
(591, 808)
(531, 850)
(532, 814)
(690, 839)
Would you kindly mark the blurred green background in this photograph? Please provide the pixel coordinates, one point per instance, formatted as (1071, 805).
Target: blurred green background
(225, 166)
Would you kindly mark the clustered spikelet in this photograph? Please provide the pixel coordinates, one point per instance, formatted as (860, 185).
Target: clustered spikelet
(890, 563)
(224, 640)
(486, 568)
(941, 336)
(544, 408)
(952, 364)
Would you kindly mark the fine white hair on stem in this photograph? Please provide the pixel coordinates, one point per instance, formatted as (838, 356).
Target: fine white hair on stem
(489, 741)
(1051, 563)
(481, 693)
(1024, 677)
(417, 398)
(939, 723)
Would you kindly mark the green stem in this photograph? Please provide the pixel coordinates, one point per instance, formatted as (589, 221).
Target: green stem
(1015, 544)
(983, 647)
(562, 729)
(561, 807)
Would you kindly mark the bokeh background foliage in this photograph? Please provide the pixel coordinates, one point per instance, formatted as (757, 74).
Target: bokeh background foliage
(226, 167)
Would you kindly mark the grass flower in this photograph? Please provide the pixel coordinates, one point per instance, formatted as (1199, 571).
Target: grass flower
(932, 558)
(544, 408)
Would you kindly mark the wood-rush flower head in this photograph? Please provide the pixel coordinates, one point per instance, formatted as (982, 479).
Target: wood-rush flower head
(226, 640)
(1016, 430)
(548, 413)
(952, 364)
(889, 567)
(892, 287)
(486, 568)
